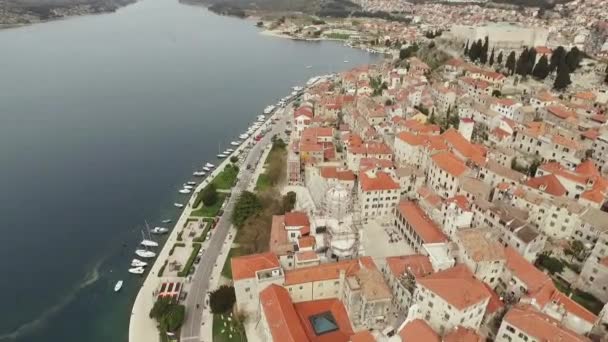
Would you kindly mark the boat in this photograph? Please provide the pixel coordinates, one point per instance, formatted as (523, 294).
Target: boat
(231, 150)
(227, 152)
(206, 169)
(244, 136)
(191, 183)
(148, 243)
(118, 286)
(137, 270)
(138, 263)
(209, 165)
(297, 88)
(235, 143)
(221, 156)
(308, 66)
(269, 109)
(294, 93)
(199, 174)
(166, 221)
(189, 187)
(144, 253)
(159, 230)
(184, 191)
(345, 61)
(178, 205)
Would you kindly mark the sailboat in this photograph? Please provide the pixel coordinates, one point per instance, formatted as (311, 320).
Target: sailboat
(166, 221)
(118, 286)
(178, 205)
(138, 263)
(137, 270)
(148, 242)
(144, 253)
(184, 191)
(159, 230)
(209, 165)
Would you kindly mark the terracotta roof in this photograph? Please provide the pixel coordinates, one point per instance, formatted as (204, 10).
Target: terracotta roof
(448, 162)
(321, 272)
(371, 148)
(467, 149)
(429, 196)
(419, 265)
(305, 310)
(362, 336)
(540, 326)
(543, 50)
(418, 330)
(587, 167)
(412, 139)
(296, 218)
(372, 163)
(425, 228)
(281, 315)
(378, 182)
(457, 286)
(532, 277)
(279, 242)
(479, 246)
(547, 183)
(463, 334)
(561, 112)
(306, 256)
(244, 267)
(333, 173)
(306, 111)
(306, 241)
(549, 294)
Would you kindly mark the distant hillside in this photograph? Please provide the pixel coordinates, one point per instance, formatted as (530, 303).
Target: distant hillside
(24, 11)
(337, 8)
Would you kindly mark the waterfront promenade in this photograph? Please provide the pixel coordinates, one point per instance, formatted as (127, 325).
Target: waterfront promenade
(141, 327)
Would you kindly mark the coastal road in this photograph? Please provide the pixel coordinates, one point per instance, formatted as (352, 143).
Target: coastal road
(200, 280)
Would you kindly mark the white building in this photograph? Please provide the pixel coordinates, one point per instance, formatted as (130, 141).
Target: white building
(378, 194)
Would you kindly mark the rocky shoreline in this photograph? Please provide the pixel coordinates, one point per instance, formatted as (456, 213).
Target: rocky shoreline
(21, 14)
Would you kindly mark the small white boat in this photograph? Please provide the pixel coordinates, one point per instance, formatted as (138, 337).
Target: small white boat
(138, 263)
(148, 243)
(189, 187)
(159, 230)
(209, 165)
(244, 136)
(221, 156)
(199, 174)
(118, 286)
(308, 66)
(231, 150)
(226, 153)
(294, 93)
(345, 61)
(269, 109)
(166, 221)
(137, 270)
(297, 88)
(178, 205)
(184, 191)
(206, 169)
(144, 253)
(235, 143)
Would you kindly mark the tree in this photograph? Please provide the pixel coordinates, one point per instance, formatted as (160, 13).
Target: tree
(573, 59)
(531, 59)
(209, 195)
(522, 63)
(533, 167)
(562, 80)
(234, 159)
(499, 59)
(475, 51)
(246, 205)
(483, 56)
(551, 264)
(541, 70)
(222, 299)
(558, 56)
(466, 48)
(491, 60)
(289, 201)
(511, 63)
(606, 78)
(168, 314)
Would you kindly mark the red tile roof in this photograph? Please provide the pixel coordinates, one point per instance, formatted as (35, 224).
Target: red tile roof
(425, 228)
(457, 286)
(379, 182)
(448, 162)
(281, 316)
(362, 336)
(533, 278)
(279, 242)
(333, 173)
(244, 267)
(463, 334)
(296, 218)
(418, 330)
(418, 265)
(549, 294)
(548, 183)
(540, 326)
(310, 308)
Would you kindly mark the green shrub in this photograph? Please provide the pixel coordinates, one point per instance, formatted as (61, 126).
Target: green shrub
(177, 244)
(186, 270)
